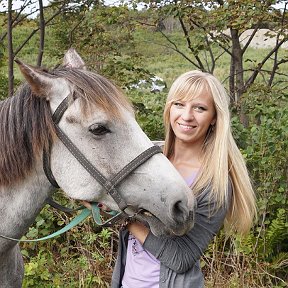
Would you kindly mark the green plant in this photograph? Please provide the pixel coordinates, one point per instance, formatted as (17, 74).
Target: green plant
(149, 109)
(259, 259)
(84, 257)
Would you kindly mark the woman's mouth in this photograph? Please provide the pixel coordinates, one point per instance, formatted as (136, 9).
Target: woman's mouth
(186, 127)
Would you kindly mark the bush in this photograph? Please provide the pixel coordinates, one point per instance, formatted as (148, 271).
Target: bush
(260, 259)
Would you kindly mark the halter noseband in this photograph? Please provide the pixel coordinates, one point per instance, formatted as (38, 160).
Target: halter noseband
(108, 185)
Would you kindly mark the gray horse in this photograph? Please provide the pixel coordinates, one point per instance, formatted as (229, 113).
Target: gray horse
(98, 120)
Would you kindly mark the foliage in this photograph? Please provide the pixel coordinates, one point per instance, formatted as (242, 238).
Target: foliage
(120, 44)
(3, 86)
(81, 257)
(207, 25)
(125, 70)
(266, 154)
(264, 251)
(149, 110)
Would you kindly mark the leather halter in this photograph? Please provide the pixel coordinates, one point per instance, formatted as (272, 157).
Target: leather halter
(108, 185)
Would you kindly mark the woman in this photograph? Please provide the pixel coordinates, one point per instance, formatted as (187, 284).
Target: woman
(200, 145)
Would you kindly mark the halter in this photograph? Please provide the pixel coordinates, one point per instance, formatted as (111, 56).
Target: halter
(108, 185)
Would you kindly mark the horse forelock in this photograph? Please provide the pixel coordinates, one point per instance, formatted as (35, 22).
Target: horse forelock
(94, 90)
(26, 125)
(25, 130)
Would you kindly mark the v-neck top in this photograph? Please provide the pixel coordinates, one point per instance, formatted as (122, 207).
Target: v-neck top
(142, 269)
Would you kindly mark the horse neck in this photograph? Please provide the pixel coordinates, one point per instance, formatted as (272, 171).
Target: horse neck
(20, 203)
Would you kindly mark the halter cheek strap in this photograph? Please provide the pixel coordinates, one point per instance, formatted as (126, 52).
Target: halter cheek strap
(108, 185)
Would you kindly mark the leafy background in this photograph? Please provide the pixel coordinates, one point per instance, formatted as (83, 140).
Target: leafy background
(115, 42)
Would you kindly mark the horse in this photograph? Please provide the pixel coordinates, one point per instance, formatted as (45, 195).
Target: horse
(97, 120)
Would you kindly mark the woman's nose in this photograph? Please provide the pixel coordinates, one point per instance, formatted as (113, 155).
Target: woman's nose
(187, 114)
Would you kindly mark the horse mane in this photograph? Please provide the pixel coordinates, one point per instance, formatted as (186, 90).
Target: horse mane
(26, 126)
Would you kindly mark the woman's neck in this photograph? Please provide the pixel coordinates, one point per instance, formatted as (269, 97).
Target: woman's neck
(187, 158)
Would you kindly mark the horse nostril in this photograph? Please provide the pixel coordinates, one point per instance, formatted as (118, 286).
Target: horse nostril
(180, 211)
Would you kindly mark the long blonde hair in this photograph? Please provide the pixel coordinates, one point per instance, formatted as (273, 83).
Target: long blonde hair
(222, 158)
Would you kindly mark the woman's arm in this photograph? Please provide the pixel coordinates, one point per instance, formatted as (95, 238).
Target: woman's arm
(180, 253)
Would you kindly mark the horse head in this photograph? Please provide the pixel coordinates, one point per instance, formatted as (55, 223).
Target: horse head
(99, 121)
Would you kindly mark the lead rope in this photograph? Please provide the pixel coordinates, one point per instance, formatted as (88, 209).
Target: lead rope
(96, 213)
(79, 218)
(108, 185)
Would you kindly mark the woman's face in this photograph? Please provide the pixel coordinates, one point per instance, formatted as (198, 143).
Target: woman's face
(190, 120)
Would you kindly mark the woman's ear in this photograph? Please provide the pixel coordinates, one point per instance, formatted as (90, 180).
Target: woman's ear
(213, 122)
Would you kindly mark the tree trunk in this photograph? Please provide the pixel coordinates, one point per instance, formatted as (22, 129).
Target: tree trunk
(232, 80)
(10, 50)
(239, 84)
(42, 33)
(238, 64)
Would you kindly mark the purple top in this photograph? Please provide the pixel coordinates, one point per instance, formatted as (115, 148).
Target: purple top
(191, 178)
(142, 269)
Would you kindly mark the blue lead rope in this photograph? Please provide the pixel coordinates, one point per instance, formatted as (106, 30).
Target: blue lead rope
(97, 216)
(95, 211)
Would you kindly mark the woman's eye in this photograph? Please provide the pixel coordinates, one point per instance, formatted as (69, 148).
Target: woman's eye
(179, 104)
(200, 108)
(98, 129)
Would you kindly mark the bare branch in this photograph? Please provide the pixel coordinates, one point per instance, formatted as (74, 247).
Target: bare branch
(276, 63)
(177, 50)
(215, 39)
(200, 64)
(250, 38)
(213, 60)
(90, 3)
(18, 18)
(260, 65)
(37, 29)
(42, 33)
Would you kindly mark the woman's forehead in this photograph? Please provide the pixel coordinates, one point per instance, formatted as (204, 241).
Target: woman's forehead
(192, 92)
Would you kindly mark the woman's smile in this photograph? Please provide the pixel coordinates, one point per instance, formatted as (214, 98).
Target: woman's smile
(186, 127)
(190, 120)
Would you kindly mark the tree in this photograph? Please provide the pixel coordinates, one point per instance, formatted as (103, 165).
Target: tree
(207, 25)
(98, 32)
(16, 18)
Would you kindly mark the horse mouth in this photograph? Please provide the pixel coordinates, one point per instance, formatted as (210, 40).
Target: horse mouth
(147, 213)
(158, 227)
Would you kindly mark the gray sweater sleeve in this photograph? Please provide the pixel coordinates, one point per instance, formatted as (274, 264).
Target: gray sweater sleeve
(180, 253)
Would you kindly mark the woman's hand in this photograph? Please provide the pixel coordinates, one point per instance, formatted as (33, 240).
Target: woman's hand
(86, 204)
(102, 207)
(139, 230)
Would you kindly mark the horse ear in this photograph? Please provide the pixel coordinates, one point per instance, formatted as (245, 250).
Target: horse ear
(40, 82)
(73, 60)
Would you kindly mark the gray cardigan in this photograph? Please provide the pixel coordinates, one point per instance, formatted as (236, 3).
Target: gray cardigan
(179, 255)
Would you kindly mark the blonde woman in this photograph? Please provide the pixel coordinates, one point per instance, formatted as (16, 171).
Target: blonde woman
(200, 145)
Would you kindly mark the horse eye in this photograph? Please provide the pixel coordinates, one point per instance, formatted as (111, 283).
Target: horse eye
(98, 129)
